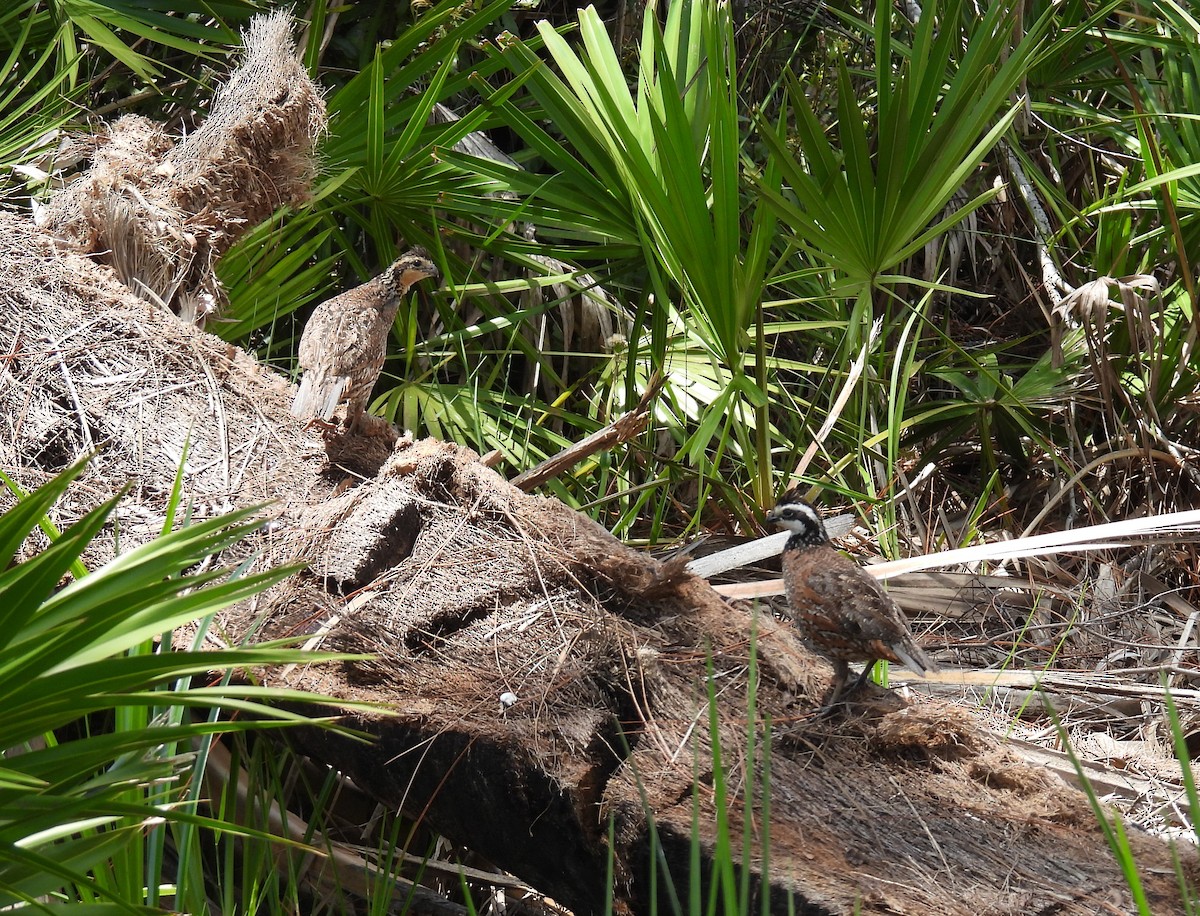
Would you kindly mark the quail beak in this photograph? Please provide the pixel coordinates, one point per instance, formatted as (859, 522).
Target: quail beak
(409, 277)
(773, 515)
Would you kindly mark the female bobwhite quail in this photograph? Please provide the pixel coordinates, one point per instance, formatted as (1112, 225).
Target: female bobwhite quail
(842, 613)
(345, 341)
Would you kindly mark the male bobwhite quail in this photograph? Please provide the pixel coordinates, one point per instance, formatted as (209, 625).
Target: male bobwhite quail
(842, 613)
(345, 341)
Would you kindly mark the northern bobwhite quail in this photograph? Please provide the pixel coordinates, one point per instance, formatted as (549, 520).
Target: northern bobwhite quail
(345, 341)
(842, 613)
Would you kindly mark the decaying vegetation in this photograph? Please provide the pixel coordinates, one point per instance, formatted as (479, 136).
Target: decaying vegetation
(161, 211)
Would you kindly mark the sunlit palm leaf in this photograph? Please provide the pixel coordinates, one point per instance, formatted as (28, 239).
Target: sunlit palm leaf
(67, 806)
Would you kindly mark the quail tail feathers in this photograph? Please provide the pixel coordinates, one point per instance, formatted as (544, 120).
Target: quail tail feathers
(318, 396)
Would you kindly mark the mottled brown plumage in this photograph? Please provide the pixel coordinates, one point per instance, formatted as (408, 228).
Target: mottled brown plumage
(842, 613)
(345, 341)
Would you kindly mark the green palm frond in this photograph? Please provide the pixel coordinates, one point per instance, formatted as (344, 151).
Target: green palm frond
(73, 797)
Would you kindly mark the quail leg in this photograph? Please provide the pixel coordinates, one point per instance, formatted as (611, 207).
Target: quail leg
(865, 676)
(355, 413)
(841, 674)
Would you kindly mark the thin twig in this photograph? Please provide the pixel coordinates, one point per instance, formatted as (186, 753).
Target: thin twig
(620, 430)
(1052, 280)
(84, 429)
